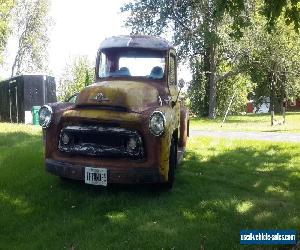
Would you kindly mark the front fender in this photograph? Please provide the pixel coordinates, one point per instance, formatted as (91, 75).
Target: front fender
(58, 109)
(172, 123)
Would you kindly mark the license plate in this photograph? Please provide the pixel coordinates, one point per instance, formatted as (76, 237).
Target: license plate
(96, 176)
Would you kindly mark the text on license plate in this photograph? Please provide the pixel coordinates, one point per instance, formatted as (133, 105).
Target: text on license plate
(96, 176)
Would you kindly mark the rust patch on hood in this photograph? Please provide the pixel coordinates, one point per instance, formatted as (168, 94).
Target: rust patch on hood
(130, 95)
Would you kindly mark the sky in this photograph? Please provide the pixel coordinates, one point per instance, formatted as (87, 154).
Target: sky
(78, 29)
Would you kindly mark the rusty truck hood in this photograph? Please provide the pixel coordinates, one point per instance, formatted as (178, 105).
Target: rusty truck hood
(130, 95)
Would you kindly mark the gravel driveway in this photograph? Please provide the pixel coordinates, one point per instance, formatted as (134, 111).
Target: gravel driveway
(263, 136)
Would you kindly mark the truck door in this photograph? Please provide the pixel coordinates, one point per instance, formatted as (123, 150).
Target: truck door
(13, 101)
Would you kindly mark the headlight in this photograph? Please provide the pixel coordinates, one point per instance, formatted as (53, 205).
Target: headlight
(157, 123)
(45, 116)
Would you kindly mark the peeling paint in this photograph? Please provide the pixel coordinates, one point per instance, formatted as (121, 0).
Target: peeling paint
(110, 112)
(171, 125)
(100, 144)
(131, 95)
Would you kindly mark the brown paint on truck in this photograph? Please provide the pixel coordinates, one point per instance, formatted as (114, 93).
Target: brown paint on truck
(113, 110)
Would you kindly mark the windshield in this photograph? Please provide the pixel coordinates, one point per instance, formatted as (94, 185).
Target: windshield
(132, 62)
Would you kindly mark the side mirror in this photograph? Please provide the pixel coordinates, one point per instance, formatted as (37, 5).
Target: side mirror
(72, 98)
(181, 83)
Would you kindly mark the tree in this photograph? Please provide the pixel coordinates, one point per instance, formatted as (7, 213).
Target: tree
(31, 24)
(194, 25)
(269, 60)
(273, 61)
(5, 9)
(209, 34)
(230, 77)
(76, 76)
(290, 9)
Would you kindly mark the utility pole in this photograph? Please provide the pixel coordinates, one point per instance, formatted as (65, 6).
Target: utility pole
(283, 110)
(284, 103)
(272, 98)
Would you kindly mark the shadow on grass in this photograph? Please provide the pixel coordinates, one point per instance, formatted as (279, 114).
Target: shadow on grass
(248, 188)
(15, 138)
(213, 198)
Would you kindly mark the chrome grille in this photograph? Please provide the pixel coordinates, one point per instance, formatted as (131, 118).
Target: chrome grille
(101, 141)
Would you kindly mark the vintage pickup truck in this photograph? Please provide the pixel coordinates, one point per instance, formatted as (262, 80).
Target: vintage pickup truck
(127, 127)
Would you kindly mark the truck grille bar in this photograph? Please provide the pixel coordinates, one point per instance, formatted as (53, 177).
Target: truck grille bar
(101, 141)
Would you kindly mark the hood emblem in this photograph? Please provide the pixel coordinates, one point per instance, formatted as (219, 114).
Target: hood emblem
(99, 98)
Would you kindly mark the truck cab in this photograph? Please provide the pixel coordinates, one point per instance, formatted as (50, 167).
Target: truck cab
(127, 127)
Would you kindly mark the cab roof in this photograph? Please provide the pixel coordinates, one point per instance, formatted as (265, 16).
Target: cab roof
(136, 41)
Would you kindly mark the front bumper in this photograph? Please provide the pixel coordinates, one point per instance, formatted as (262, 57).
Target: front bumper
(126, 175)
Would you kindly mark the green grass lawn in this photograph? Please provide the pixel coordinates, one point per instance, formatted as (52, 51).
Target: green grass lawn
(250, 122)
(221, 187)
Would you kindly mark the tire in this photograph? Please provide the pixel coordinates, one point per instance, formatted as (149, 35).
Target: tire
(172, 164)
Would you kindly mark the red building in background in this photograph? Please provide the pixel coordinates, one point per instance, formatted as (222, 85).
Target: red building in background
(294, 105)
(250, 108)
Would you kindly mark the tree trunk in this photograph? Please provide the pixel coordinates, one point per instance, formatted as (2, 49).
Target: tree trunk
(13, 67)
(207, 75)
(212, 84)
